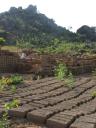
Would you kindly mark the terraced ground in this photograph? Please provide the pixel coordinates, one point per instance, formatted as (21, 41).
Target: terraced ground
(51, 103)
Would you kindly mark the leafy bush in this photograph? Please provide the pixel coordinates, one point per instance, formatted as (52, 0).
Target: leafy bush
(62, 73)
(4, 122)
(12, 80)
(5, 81)
(69, 81)
(2, 41)
(16, 79)
(13, 104)
(68, 48)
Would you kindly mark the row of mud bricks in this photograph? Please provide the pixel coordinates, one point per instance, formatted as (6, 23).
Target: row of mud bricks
(49, 102)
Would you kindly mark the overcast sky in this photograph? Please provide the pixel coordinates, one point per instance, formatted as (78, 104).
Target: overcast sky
(66, 13)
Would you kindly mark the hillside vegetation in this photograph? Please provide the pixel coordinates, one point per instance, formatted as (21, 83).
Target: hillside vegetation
(28, 28)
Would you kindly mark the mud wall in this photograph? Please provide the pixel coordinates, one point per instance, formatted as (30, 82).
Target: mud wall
(8, 61)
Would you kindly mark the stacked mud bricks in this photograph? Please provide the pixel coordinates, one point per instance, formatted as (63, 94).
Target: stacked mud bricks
(78, 64)
(8, 61)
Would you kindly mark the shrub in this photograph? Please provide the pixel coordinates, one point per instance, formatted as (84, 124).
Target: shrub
(70, 80)
(62, 73)
(4, 122)
(12, 80)
(16, 79)
(2, 41)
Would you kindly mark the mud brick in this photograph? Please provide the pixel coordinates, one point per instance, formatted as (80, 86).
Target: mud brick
(89, 84)
(58, 91)
(48, 102)
(26, 100)
(69, 95)
(51, 110)
(78, 90)
(24, 94)
(59, 121)
(86, 119)
(38, 116)
(65, 105)
(88, 107)
(73, 112)
(43, 102)
(36, 105)
(92, 115)
(82, 81)
(29, 97)
(38, 91)
(37, 98)
(82, 125)
(20, 111)
(23, 102)
(17, 96)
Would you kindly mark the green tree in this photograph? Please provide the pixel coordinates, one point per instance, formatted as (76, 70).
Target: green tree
(87, 33)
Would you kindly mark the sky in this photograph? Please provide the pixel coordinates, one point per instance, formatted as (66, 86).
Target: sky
(66, 13)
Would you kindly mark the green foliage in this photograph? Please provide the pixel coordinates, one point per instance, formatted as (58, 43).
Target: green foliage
(68, 48)
(12, 80)
(69, 81)
(93, 94)
(16, 79)
(13, 104)
(30, 28)
(2, 41)
(5, 81)
(62, 73)
(87, 33)
(4, 122)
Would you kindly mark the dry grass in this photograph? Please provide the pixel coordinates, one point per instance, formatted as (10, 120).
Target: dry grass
(11, 48)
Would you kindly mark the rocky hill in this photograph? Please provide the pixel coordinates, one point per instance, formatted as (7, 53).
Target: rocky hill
(28, 25)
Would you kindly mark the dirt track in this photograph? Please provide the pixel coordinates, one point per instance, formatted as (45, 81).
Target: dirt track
(50, 102)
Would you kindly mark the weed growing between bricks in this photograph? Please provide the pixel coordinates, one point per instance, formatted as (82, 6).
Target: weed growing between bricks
(11, 81)
(62, 73)
(4, 122)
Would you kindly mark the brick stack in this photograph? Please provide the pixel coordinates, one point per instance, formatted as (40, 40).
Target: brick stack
(46, 63)
(8, 61)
